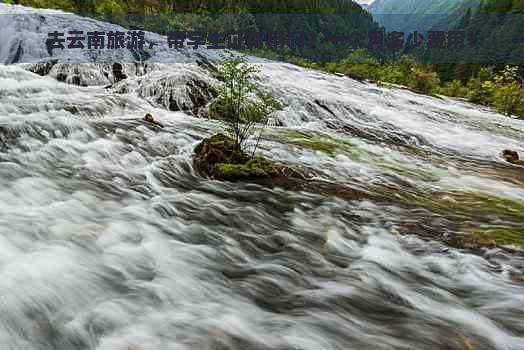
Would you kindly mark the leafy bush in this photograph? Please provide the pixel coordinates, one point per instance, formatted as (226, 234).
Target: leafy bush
(507, 92)
(479, 92)
(454, 88)
(359, 71)
(390, 73)
(423, 81)
(109, 7)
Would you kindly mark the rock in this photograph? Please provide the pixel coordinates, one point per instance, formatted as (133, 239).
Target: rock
(42, 69)
(217, 157)
(512, 157)
(8, 137)
(183, 89)
(88, 74)
(149, 118)
(218, 149)
(517, 279)
(118, 72)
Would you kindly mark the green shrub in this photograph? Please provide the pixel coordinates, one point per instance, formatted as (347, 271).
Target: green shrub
(390, 73)
(454, 88)
(65, 5)
(479, 92)
(359, 71)
(423, 81)
(507, 98)
(507, 91)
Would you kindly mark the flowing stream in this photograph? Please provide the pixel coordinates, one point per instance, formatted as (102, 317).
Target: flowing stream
(110, 240)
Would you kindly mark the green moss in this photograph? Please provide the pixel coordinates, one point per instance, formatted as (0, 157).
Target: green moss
(318, 146)
(332, 146)
(409, 171)
(316, 142)
(256, 167)
(498, 236)
(221, 140)
(467, 206)
(474, 214)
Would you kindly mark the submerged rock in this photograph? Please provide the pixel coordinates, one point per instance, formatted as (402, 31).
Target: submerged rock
(118, 72)
(149, 118)
(512, 157)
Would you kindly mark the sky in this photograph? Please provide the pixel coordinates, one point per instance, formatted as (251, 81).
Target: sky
(367, 2)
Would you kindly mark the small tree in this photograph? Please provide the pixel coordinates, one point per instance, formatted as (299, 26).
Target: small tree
(240, 103)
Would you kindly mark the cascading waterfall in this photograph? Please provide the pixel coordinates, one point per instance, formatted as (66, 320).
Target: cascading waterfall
(110, 240)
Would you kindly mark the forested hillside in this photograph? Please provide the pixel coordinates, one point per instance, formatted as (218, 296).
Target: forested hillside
(489, 72)
(420, 15)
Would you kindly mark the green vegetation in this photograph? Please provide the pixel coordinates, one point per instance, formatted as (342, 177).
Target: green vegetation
(466, 206)
(502, 90)
(255, 167)
(313, 141)
(361, 65)
(245, 108)
(497, 236)
(474, 214)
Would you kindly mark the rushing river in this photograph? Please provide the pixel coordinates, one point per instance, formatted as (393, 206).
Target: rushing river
(110, 240)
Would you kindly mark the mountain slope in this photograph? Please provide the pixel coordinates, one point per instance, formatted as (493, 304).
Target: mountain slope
(421, 15)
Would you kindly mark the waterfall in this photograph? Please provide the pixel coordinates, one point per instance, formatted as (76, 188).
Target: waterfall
(110, 240)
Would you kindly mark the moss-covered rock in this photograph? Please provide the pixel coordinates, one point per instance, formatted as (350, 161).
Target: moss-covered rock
(218, 157)
(256, 167)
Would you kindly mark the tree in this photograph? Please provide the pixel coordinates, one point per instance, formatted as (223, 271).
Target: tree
(240, 103)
